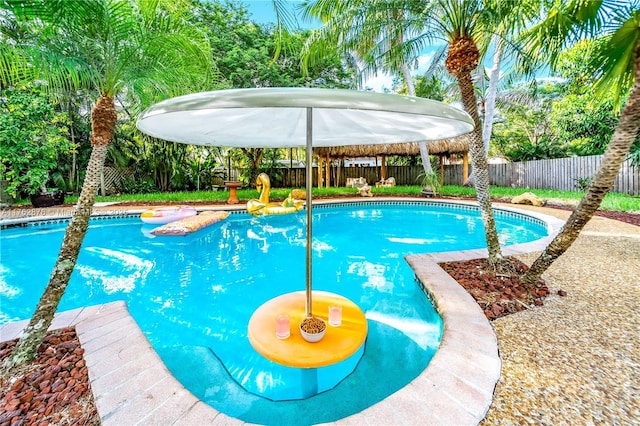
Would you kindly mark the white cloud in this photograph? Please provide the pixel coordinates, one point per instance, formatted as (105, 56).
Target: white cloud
(384, 81)
(379, 83)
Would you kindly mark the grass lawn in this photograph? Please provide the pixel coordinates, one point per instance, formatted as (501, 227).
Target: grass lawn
(612, 201)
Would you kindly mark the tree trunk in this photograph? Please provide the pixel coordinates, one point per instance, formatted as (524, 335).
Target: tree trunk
(103, 121)
(408, 78)
(411, 90)
(72, 172)
(490, 103)
(480, 168)
(254, 155)
(618, 149)
(492, 93)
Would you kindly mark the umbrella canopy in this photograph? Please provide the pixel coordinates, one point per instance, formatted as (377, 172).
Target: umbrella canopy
(275, 117)
(293, 117)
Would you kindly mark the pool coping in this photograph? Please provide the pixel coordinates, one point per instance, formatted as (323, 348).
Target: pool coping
(131, 384)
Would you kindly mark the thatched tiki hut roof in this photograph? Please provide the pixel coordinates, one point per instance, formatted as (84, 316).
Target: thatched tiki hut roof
(442, 148)
(459, 145)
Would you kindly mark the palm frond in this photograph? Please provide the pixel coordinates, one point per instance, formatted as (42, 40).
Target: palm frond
(14, 67)
(437, 61)
(616, 56)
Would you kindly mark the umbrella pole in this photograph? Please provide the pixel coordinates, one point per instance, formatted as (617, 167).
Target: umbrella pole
(309, 185)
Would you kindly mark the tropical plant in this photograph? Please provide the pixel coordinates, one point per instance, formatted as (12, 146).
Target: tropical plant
(138, 50)
(591, 125)
(381, 35)
(617, 61)
(524, 131)
(582, 183)
(430, 87)
(250, 55)
(33, 134)
(431, 180)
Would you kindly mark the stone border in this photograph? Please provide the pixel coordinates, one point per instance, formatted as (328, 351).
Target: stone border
(131, 384)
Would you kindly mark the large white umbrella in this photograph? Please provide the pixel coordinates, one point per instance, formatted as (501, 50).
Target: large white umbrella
(301, 117)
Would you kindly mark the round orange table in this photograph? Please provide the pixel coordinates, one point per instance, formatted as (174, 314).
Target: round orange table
(338, 344)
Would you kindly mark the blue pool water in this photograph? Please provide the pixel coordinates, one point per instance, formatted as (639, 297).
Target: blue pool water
(193, 296)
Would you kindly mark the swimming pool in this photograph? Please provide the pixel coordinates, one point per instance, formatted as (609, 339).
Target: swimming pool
(358, 253)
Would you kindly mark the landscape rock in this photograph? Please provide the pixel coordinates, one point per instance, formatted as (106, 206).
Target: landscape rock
(528, 198)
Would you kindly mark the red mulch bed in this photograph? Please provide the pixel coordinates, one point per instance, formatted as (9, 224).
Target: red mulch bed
(632, 218)
(497, 294)
(53, 389)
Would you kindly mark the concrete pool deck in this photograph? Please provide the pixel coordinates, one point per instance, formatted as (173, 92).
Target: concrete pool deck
(131, 385)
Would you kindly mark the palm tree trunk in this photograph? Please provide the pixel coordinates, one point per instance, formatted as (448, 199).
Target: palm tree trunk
(492, 93)
(424, 155)
(490, 103)
(424, 149)
(408, 78)
(480, 168)
(618, 149)
(103, 120)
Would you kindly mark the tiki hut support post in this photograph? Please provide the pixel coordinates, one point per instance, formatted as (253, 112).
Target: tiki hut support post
(465, 167)
(441, 157)
(383, 168)
(327, 172)
(319, 171)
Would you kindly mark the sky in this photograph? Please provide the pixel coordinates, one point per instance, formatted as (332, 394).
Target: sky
(262, 12)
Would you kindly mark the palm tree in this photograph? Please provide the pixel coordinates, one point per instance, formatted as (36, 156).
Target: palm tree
(463, 24)
(618, 63)
(468, 26)
(380, 47)
(507, 30)
(140, 50)
(380, 33)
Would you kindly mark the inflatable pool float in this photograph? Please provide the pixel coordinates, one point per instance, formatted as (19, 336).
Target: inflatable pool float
(262, 206)
(190, 224)
(162, 215)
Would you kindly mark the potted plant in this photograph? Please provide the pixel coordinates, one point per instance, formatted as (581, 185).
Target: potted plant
(47, 197)
(430, 183)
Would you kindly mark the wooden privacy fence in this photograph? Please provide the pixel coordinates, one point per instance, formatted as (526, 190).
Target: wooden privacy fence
(559, 173)
(404, 175)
